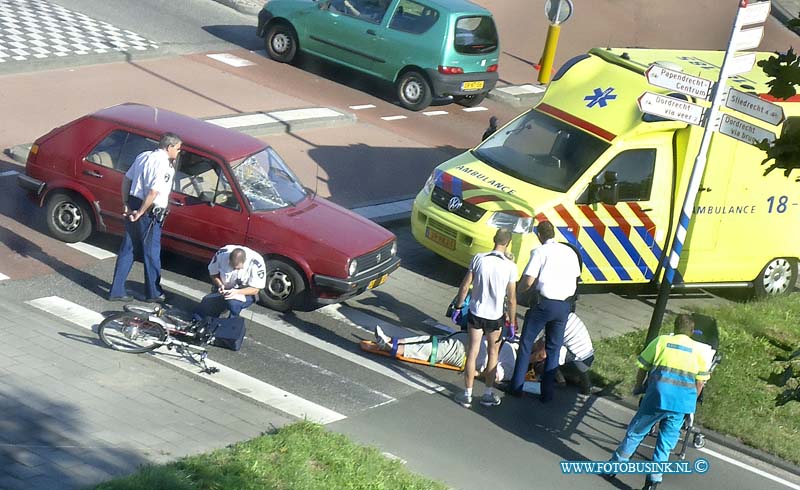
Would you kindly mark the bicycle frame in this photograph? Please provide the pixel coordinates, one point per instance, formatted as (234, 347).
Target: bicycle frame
(197, 354)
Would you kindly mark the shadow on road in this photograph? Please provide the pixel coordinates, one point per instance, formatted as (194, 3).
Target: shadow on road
(44, 439)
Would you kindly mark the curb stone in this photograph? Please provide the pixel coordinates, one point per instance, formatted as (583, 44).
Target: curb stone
(522, 96)
(247, 7)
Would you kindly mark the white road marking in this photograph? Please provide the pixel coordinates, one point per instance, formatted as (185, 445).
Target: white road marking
(393, 118)
(95, 252)
(396, 372)
(474, 109)
(240, 121)
(8, 173)
(362, 107)
(439, 326)
(309, 113)
(230, 59)
(3, 277)
(749, 468)
(435, 113)
(228, 377)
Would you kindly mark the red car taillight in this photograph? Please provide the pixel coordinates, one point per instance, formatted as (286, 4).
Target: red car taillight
(450, 70)
(492, 68)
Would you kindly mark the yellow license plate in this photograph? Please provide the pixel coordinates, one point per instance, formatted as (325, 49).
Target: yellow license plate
(472, 85)
(442, 240)
(377, 282)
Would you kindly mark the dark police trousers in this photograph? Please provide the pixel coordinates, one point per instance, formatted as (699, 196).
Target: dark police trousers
(552, 316)
(142, 239)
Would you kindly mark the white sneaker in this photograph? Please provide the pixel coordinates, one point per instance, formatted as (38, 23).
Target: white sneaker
(381, 339)
(463, 400)
(490, 400)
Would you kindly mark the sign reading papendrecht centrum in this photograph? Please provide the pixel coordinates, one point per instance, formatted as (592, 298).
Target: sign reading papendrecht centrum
(680, 82)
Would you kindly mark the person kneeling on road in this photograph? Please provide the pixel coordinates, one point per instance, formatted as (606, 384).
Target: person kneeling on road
(237, 275)
(575, 357)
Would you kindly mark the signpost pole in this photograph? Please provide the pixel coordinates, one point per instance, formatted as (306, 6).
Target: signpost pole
(682, 229)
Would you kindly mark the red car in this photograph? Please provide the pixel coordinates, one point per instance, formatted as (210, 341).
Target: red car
(229, 188)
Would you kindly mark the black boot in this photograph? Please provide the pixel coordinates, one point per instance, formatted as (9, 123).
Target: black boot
(650, 485)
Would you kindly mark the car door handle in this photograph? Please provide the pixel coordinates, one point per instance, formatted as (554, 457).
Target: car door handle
(647, 210)
(176, 202)
(92, 173)
(372, 32)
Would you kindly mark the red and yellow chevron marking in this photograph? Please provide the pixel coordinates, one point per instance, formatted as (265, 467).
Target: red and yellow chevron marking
(604, 234)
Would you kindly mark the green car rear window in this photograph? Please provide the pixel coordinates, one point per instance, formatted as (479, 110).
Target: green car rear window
(475, 35)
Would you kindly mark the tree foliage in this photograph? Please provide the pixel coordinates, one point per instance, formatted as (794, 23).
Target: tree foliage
(784, 69)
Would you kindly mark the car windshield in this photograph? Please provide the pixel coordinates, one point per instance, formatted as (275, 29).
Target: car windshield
(267, 182)
(541, 150)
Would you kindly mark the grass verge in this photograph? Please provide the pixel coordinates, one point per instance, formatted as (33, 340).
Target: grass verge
(740, 400)
(299, 456)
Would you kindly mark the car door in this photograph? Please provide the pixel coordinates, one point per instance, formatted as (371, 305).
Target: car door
(103, 168)
(346, 31)
(623, 242)
(205, 212)
(407, 38)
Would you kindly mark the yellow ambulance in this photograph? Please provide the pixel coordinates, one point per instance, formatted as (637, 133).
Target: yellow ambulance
(612, 180)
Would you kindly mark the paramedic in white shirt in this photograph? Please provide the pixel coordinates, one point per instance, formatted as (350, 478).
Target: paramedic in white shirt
(145, 194)
(553, 270)
(237, 275)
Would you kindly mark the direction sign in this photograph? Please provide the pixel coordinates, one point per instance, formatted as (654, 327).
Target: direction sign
(754, 106)
(680, 82)
(670, 108)
(741, 64)
(744, 131)
(754, 13)
(748, 38)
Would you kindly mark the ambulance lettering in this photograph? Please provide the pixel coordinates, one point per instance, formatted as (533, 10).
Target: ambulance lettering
(486, 180)
(726, 209)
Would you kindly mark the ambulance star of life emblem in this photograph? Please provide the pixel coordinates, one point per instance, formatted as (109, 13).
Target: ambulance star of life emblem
(454, 204)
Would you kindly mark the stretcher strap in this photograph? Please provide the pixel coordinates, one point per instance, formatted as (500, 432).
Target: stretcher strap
(434, 349)
(395, 344)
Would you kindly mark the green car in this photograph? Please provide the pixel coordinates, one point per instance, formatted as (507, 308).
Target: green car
(446, 49)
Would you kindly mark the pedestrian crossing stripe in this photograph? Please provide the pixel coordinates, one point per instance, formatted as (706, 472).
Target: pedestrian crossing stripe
(228, 377)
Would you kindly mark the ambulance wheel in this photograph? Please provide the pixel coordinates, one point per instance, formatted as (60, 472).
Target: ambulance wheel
(69, 218)
(285, 286)
(778, 277)
(699, 441)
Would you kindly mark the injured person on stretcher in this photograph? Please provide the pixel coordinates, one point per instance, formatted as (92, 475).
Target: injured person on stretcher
(449, 351)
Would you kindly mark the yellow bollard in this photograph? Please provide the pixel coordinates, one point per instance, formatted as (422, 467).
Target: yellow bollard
(549, 53)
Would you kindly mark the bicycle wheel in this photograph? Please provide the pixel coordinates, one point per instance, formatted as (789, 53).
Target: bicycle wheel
(131, 332)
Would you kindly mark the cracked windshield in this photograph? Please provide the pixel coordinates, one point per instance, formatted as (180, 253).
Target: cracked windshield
(267, 182)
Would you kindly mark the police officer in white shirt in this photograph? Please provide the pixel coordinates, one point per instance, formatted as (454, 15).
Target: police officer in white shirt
(145, 194)
(554, 268)
(237, 275)
(493, 277)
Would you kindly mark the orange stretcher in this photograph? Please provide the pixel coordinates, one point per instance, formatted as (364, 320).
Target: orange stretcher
(372, 347)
